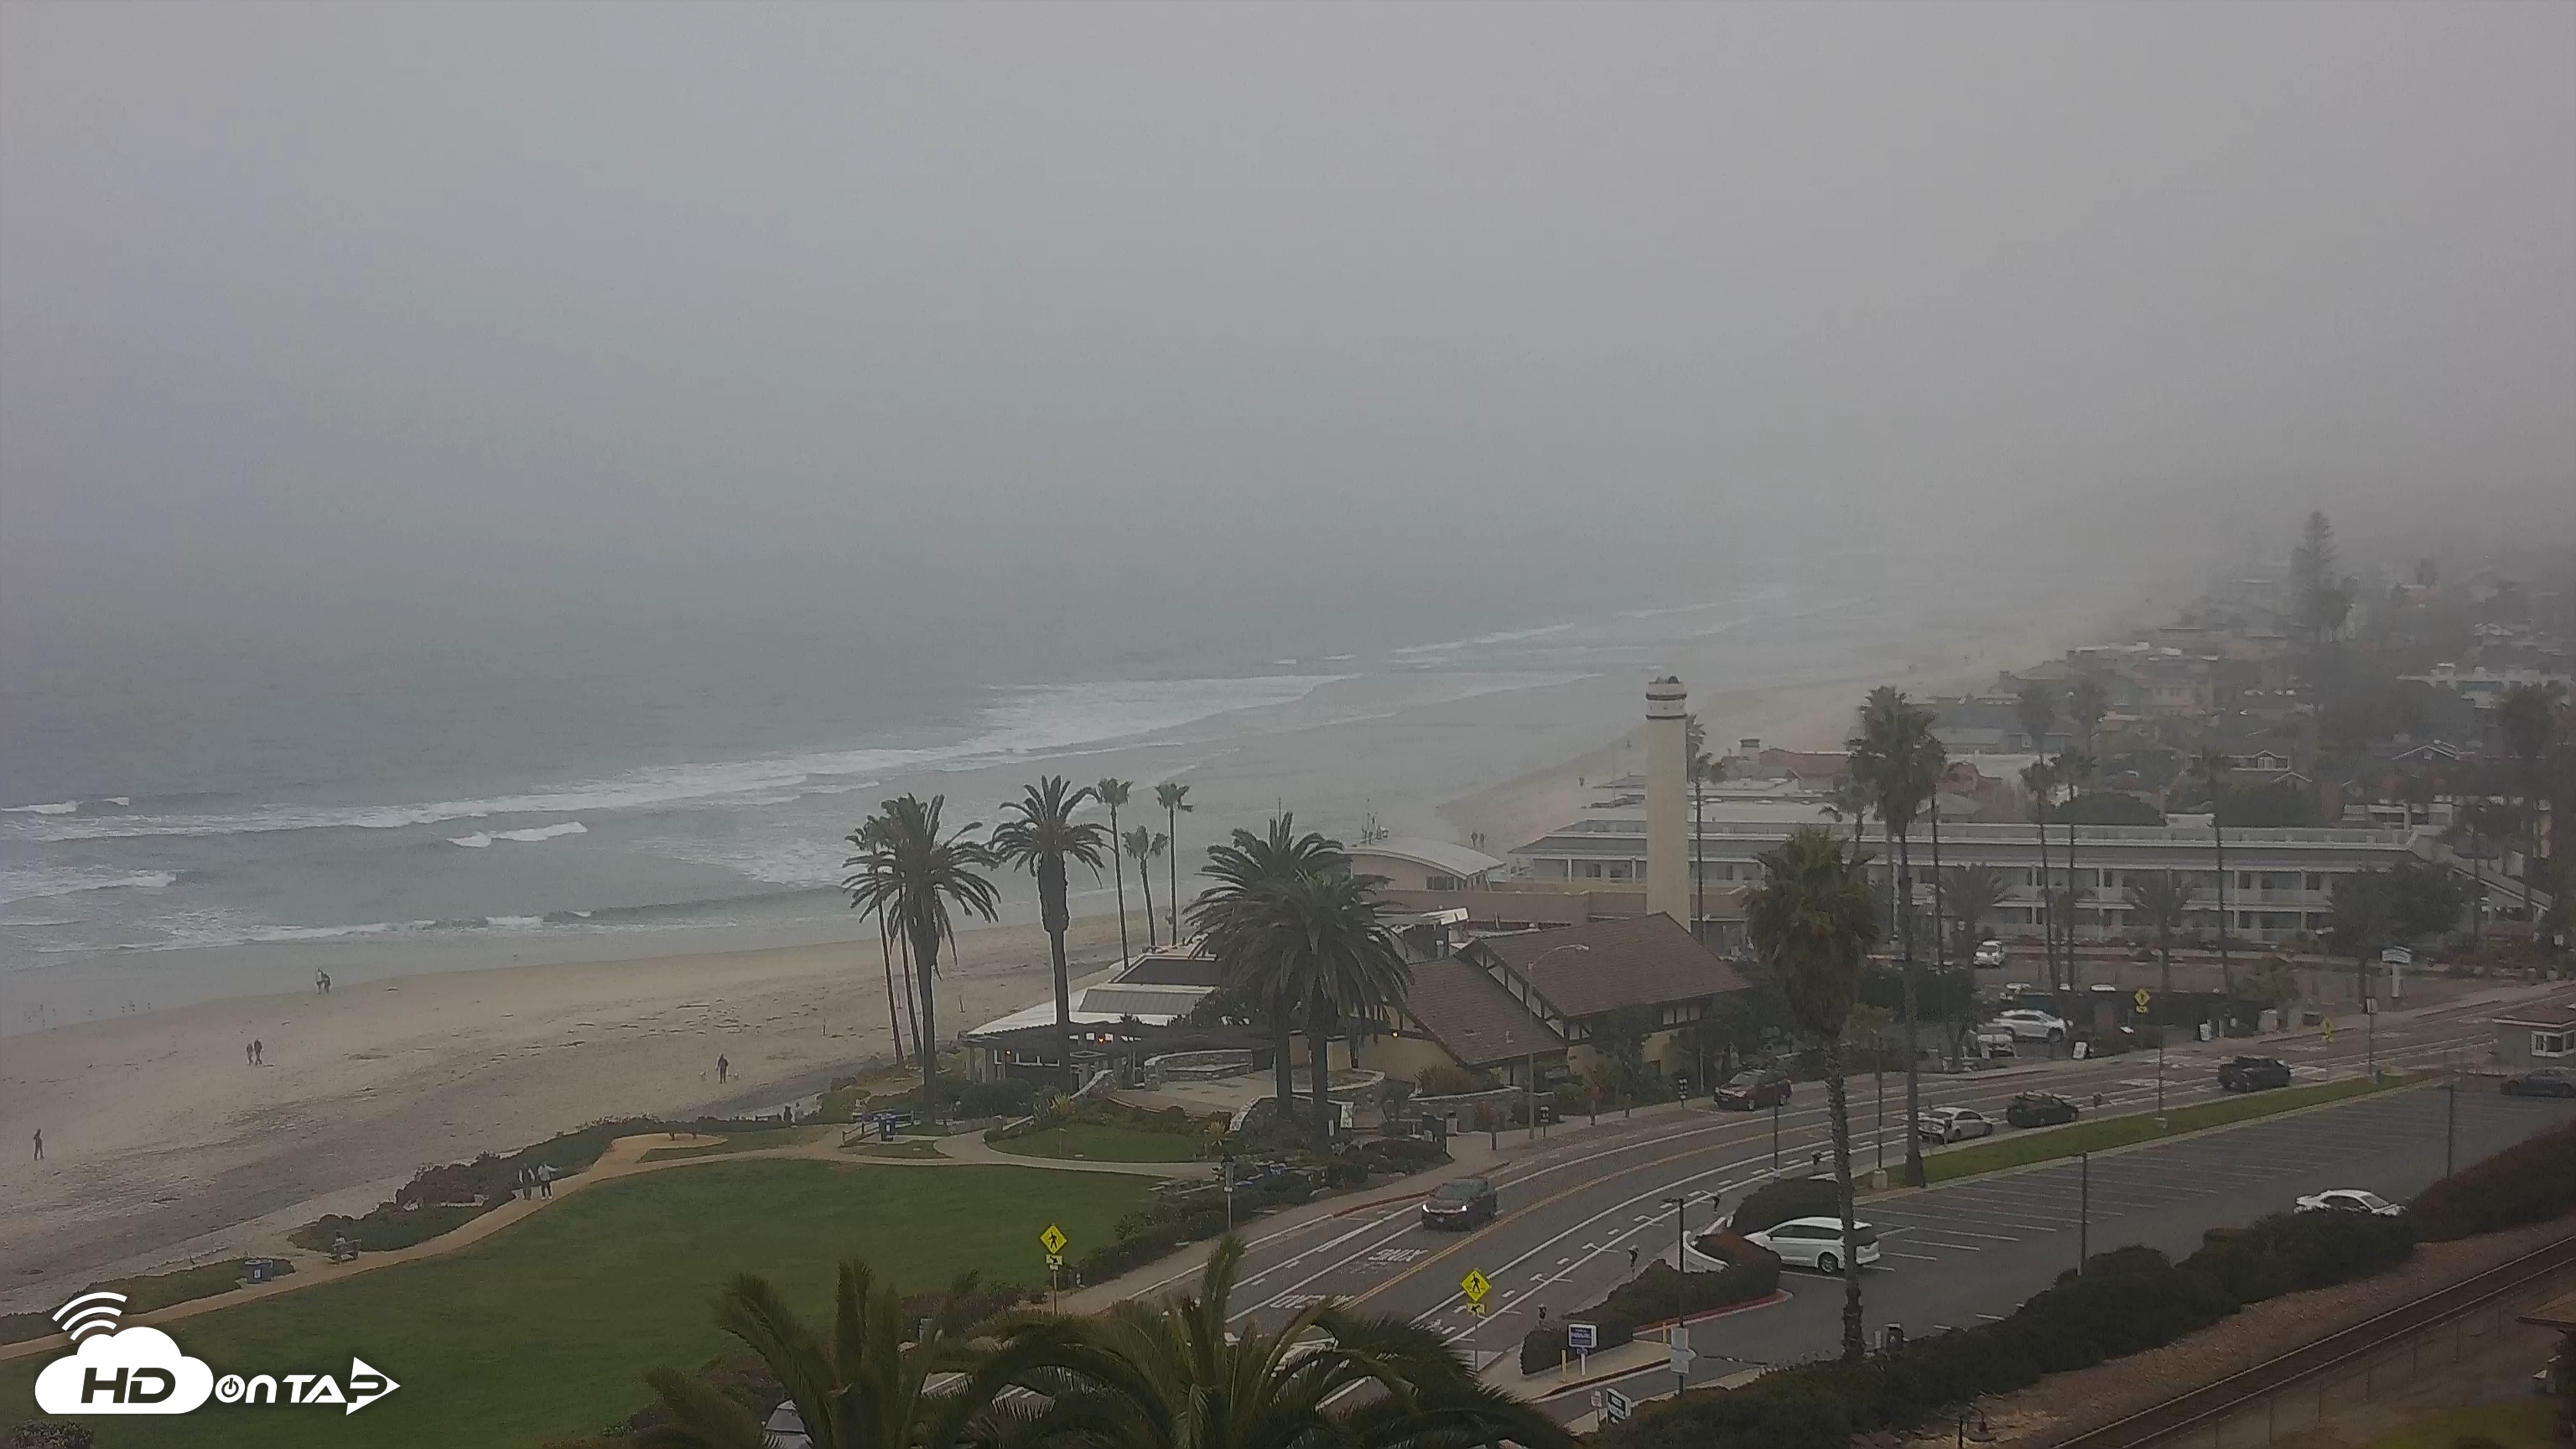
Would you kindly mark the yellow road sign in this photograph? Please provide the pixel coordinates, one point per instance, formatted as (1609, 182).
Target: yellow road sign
(1052, 1239)
(2142, 998)
(1055, 1260)
(2329, 1025)
(1475, 1285)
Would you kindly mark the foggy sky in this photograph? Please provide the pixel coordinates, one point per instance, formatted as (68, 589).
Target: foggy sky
(353, 312)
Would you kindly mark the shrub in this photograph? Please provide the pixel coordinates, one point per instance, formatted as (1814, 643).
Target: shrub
(1652, 1296)
(2532, 1181)
(50, 1434)
(1402, 1156)
(2125, 1301)
(384, 1229)
(1778, 1201)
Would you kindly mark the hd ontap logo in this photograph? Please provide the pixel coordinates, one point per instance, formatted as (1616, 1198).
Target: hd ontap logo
(140, 1370)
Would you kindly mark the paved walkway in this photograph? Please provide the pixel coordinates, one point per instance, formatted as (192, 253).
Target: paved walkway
(971, 1147)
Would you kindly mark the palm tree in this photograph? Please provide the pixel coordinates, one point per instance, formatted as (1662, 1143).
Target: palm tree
(2075, 770)
(1850, 800)
(1353, 966)
(1041, 836)
(1254, 917)
(2526, 716)
(2161, 902)
(1142, 846)
(2473, 822)
(864, 837)
(1113, 792)
(2212, 765)
(1899, 758)
(1174, 797)
(1813, 921)
(2085, 706)
(1972, 892)
(857, 1387)
(1179, 1374)
(907, 868)
(2037, 708)
(2039, 781)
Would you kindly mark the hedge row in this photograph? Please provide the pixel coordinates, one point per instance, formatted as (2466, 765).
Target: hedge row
(1654, 1295)
(2532, 1181)
(1782, 1199)
(2122, 1303)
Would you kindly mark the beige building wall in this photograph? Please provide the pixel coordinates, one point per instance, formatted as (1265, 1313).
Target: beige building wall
(1402, 1058)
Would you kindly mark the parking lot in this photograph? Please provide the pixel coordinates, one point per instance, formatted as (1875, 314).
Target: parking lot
(1970, 1252)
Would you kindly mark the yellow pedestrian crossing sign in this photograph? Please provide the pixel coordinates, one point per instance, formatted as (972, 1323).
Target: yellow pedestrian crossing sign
(1052, 1240)
(1475, 1285)
(2142, 998)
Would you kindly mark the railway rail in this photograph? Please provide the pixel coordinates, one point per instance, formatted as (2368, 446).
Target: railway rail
(2213, 1405)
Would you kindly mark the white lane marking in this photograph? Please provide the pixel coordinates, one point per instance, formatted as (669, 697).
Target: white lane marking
(1917, 1257)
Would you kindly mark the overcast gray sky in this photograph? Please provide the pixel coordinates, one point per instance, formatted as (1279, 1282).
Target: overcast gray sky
(383, 304)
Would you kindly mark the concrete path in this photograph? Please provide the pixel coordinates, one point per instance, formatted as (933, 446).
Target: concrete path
(971, 1147)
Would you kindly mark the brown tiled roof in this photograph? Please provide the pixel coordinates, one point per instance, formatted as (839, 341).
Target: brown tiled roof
(1464, 1011)
(1640, 961)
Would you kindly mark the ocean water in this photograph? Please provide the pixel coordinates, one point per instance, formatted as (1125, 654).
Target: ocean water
(164, 801)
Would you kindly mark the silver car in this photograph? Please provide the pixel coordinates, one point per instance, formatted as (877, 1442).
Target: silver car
(1953, 1124)
(1817, 1243)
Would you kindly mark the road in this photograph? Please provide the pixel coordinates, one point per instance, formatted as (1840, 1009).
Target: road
(1575, 1208)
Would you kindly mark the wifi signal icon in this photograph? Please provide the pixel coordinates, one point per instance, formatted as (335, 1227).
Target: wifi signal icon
(90, 1313)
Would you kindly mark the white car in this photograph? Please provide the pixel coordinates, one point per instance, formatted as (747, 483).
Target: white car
(1953, 1124)
(2028, 1025)
(1992, 1041)
(1990, 953)
(2350, 1200)
(1817, 1243)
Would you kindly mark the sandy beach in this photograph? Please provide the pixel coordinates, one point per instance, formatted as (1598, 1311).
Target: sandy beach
(162, 1146)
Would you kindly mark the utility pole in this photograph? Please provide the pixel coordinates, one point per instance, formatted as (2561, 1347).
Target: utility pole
(2451, 1120)
(1681, 1292)
(1878, 1056)
(2083, 1210)
(1775, 1133)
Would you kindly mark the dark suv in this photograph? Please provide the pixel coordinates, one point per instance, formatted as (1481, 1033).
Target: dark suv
(1753, 1090)
(2253, 1074)
(1469, 1202)
(2040, 1109)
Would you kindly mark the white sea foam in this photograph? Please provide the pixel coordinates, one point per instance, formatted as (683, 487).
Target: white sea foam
(544, 832)
(41, 882)
(1018, 724)
(120, 801)
(60, 807)
(514, 923)
(477, 841)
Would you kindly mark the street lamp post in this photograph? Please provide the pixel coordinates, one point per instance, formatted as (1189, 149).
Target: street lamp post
(1775, 1132)
(2083, 1210)
(1681, 1292)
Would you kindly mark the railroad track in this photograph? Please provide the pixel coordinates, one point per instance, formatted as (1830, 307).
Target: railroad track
(2213, 1404)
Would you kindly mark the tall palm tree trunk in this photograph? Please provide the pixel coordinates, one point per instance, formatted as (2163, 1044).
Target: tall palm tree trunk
(1913, 1051)
(2218, 844)
(1173, 903)
(1051, 891)
(2074, 915)
(1118, 875)
(911, 1006)
(894, 1008)
(1319, 1062)
(925, 957)
(2047, 900)
(1283, 1055)
(1838, 1105)
(1145, 877)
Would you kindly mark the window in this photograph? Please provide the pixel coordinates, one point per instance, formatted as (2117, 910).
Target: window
(2316, 880)
(2553, 1043)
(1440, 882)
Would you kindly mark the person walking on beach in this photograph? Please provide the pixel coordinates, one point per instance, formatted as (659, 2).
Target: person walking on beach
(40, 1144)
(545, 1179)
(248, 1059)
(258, 1053)
(722, 1067)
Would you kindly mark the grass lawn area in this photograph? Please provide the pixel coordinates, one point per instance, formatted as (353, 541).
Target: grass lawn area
(2101, 1134)
(157, 1290)
(740, 1142)
(2523, 1424)
(1099, 1142)
(913, 1150)
(544, 1330)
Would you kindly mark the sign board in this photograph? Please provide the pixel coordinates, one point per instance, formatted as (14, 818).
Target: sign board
(1582, 1337)
(1682, 1359)
(1475, 1285)
(2142, 998)
(2083, 1049)
(1615, 1407)
(2397, 956)
(1055, 1260)
(1053, 1239)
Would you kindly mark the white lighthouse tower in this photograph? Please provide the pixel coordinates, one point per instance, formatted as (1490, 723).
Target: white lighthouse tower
(1667, 799)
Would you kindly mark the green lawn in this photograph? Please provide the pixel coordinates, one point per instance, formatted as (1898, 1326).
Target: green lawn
(544, 1329)
(1100, 1142)
(2523, 1424)
(2100, 1134)
(156, 1290)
